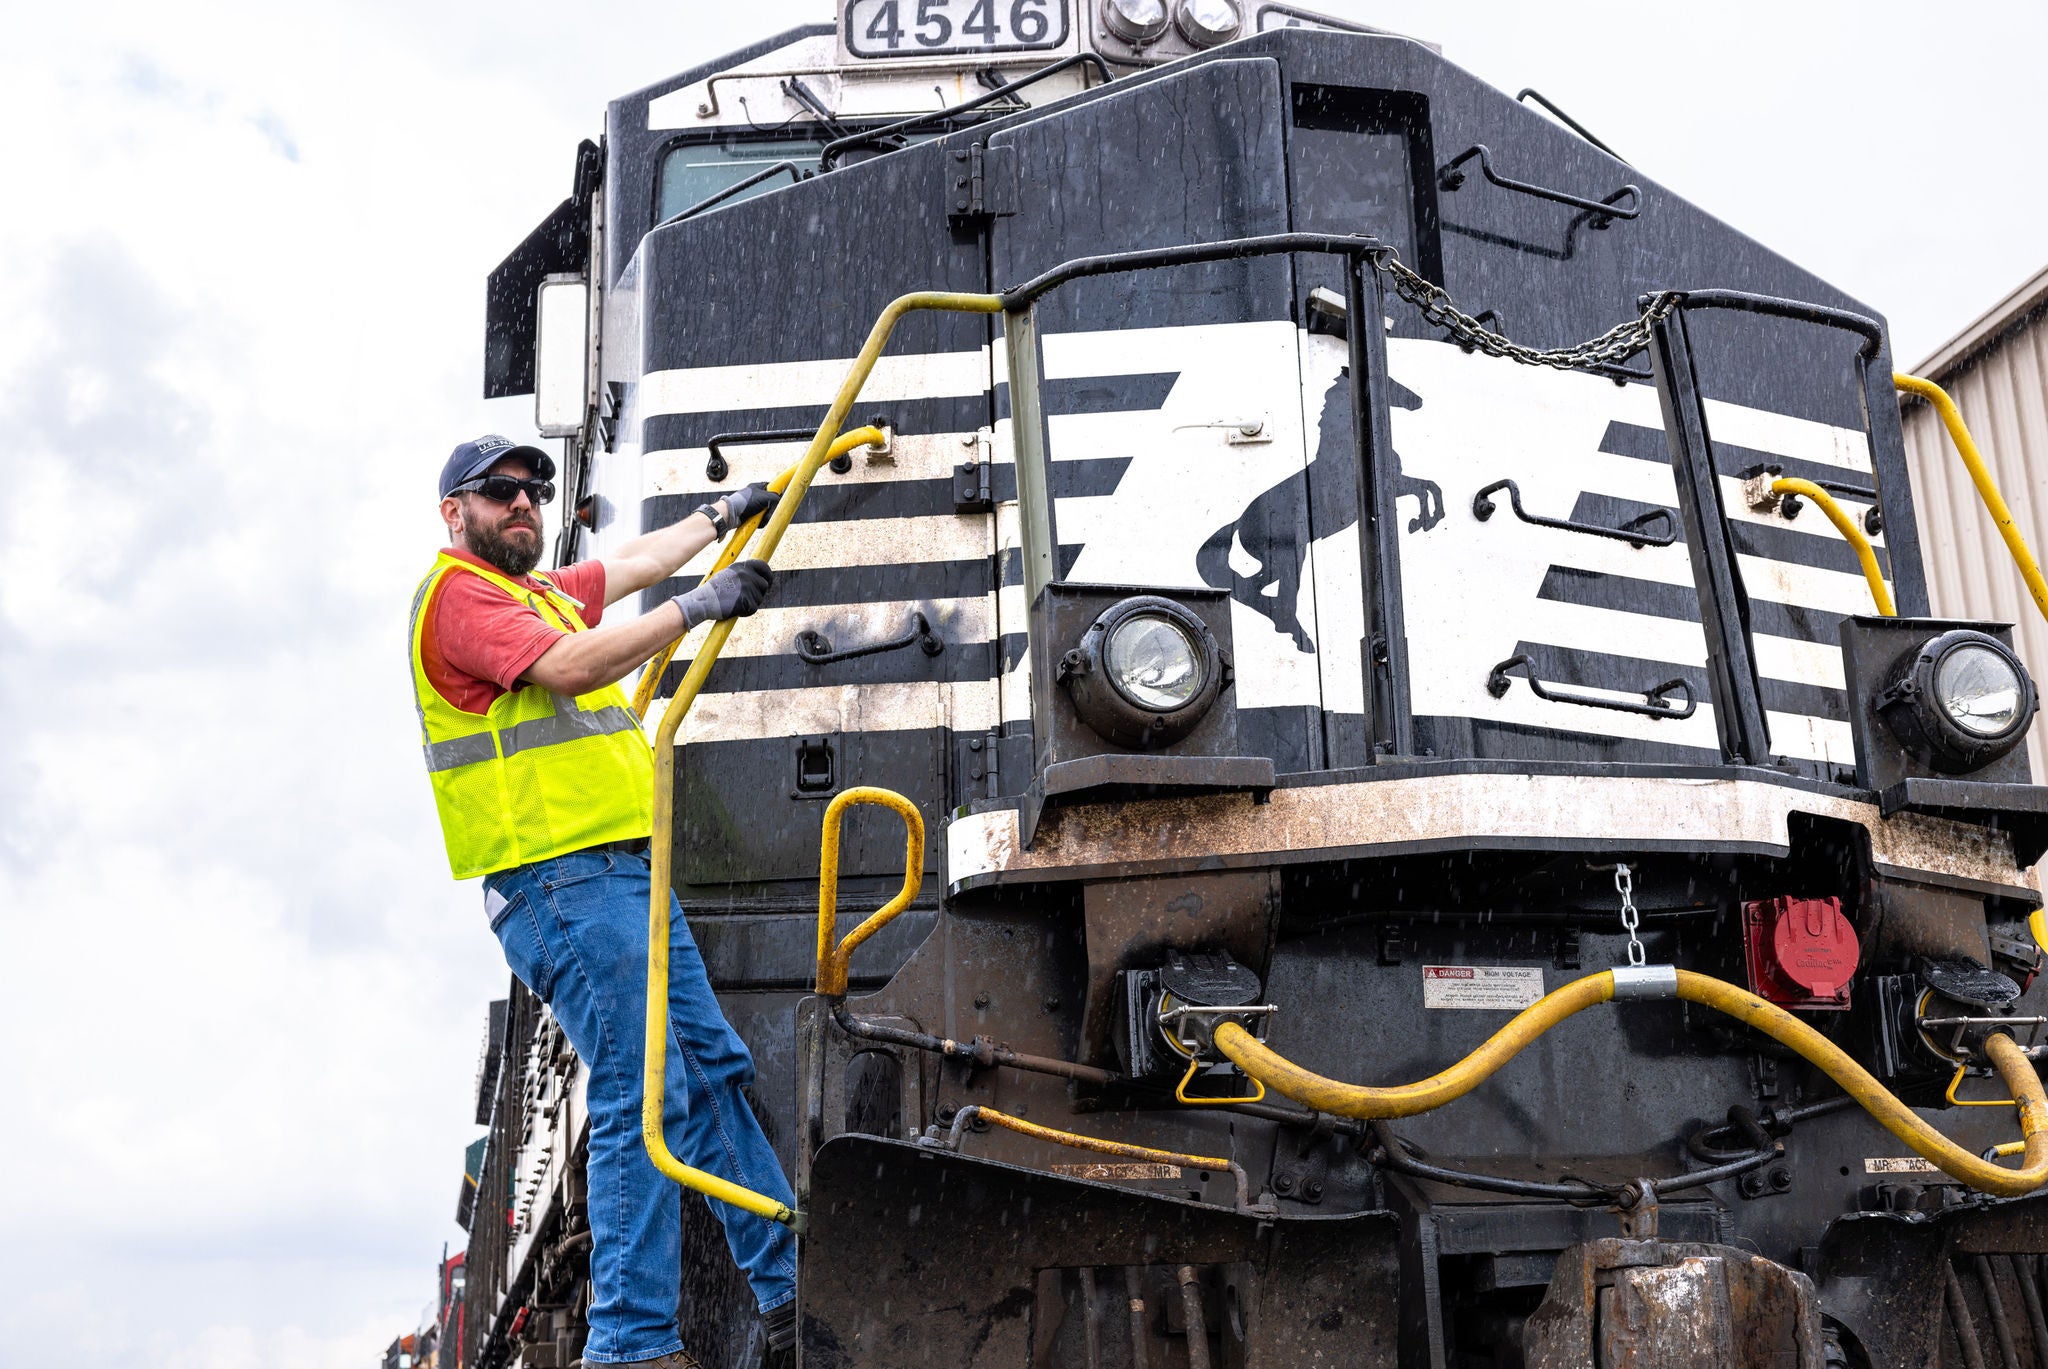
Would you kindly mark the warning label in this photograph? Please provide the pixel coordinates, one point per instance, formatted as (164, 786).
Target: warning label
(1481, 986)
(1116, 1171)
(1903, 1164)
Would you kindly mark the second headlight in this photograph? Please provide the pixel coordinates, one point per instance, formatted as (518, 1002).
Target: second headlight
(1135, 21)
(1144, 673)
(1960, 702)
(1205, 23)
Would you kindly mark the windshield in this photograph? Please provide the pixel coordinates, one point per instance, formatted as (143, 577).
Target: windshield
(694, 172)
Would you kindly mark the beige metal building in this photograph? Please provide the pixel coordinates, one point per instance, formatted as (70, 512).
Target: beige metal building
(1997, 371)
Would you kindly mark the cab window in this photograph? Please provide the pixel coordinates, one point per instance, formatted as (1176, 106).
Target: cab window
(694, 172)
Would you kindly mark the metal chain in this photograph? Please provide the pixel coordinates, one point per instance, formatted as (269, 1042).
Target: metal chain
(1625, 885)
(1611, 348)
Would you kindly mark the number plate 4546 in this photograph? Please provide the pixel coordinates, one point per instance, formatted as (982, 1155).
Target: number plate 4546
(932, 28)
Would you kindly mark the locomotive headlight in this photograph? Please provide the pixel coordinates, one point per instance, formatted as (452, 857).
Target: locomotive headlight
(1981, 689)
(1135, 21)
(1960, 702)
(1205, 23)
(1153, 663)
(1145, 672)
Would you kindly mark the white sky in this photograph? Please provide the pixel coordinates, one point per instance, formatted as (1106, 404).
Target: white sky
(244, 248)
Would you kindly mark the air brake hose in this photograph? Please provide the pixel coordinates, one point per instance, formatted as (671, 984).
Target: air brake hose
(1360, 1101)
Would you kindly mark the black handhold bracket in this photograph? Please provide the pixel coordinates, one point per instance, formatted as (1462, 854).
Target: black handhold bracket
(816, 648)
(1630, 532)
(1603, 211)
(1656, 704)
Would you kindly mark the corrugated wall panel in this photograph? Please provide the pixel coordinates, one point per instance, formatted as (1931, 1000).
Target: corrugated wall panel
(2003, 393)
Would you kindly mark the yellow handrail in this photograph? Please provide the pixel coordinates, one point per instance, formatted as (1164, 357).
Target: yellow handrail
(1359, 1101)
(966, 1115)
(1845, 525)
(650, 678)
(833, 960)
(1195, 1100)
(1095, 1143)
(1957, 1083)
(662, 857)
(1980, 476)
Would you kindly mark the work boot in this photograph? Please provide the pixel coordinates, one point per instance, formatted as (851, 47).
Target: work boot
(780, 1324)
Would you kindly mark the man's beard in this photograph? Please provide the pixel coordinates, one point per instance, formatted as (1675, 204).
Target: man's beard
(513, 560)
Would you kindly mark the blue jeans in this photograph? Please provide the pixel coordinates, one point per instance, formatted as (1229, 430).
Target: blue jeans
(574, 930)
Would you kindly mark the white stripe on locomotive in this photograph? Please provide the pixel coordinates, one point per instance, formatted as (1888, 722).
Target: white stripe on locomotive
(1479, 421)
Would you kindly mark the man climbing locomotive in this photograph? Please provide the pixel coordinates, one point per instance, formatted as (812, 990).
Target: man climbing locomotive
(543, 780)
(1325, 561)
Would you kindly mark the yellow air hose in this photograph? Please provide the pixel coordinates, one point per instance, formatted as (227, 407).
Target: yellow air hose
(1359, 1101)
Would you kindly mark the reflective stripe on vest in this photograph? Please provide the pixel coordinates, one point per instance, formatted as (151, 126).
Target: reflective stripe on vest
(457, 752)
(539, 774)
(567, 725)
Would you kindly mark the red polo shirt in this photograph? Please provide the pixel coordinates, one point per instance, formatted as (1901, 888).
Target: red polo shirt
(479, 640)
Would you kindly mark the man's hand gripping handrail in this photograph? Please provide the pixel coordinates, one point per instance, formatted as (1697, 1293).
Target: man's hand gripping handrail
(650, 678)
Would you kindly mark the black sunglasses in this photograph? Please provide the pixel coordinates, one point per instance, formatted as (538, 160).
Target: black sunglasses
(503, 489)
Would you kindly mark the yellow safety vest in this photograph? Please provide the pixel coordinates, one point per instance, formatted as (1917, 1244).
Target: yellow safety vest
(540, 774)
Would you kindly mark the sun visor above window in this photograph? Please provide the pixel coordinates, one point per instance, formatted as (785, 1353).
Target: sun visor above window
(560, 244)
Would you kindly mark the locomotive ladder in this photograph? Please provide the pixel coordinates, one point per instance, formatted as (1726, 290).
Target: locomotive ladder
(791, 485)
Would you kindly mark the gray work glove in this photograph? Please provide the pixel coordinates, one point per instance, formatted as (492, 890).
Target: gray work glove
(734, 592)
(741, 505)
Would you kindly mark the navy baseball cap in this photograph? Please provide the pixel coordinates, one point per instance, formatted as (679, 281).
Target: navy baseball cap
(472, 459)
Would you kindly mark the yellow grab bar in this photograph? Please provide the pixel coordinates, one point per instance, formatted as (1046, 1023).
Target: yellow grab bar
(1359, 1101)
(1100, 1146)
(1845, 525)
(833, 960)
(650, 678)
(661, 858)
(1094, 1143)
(1957, 1083)
(1195, 1100)
(1980, 476)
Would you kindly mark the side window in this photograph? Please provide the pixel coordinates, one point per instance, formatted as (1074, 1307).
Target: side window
(694, 172)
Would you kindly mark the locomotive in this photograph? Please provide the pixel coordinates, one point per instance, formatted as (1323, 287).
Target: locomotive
(1317, 545)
